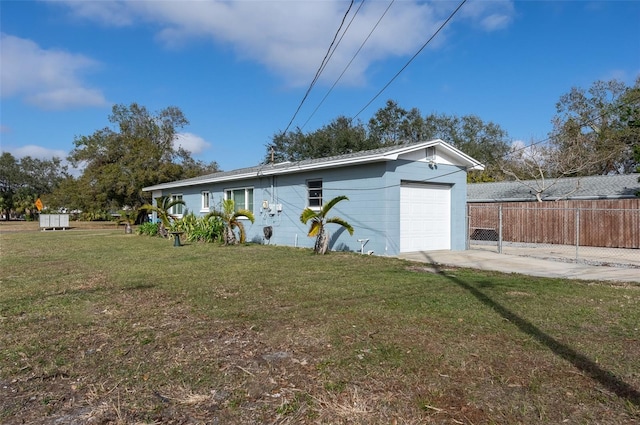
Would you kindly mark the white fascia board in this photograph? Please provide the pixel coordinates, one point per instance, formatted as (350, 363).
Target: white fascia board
(375, 157)
(171, 185)
(461, 158)
(393, 155)
(329, 164)
(266, 171)
(465, 159)
(342, 162)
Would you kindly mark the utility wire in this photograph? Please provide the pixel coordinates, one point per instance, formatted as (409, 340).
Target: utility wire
(320, 68)
(412, 58)
(351, 61)
(343, 34)
(583, 124)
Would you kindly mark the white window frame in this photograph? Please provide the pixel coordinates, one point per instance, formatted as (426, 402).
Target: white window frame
(174, 208)
(248, 199)
(205, 203)
(314, 202)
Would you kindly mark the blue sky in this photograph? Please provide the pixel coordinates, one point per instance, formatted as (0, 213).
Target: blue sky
(238, 70)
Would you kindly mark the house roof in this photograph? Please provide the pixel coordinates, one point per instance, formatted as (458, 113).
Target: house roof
(390, 153)
(617, 186)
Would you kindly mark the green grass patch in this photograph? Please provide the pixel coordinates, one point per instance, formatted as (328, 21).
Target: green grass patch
(117, 328)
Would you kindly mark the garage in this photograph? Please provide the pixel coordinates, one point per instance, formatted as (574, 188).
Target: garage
(425, 217)
(401, 198)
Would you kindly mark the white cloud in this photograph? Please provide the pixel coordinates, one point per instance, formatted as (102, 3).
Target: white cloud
(49, 79)
(191, 142)
(495, 21)
(42, 153)
(106, 12)
(522, 151)
(291, 37)
(625, 76)
(38, 152)
(489, 15)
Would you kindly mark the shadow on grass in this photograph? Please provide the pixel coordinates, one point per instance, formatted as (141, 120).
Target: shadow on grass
(138, 286)
(580, 361)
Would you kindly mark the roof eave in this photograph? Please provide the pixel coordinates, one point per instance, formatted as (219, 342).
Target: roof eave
(465, 160)
(296, 168)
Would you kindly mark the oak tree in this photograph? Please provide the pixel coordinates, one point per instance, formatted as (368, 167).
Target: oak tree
(138, 150)
(600, 125)
(24, 180)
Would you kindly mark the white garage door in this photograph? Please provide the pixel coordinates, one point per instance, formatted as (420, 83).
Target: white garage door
(425, 217)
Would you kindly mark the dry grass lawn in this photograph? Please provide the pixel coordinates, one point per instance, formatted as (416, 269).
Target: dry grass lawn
(99, 327)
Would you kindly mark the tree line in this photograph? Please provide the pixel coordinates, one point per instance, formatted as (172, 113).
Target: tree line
(136, 151)
(394, 125)
(595, 131)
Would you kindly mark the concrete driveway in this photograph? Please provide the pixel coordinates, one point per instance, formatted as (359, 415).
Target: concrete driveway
(543, 267)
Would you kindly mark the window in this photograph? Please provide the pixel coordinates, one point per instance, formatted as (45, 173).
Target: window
(177, 209)
(314, 187)
(242, 198)
(205, 200)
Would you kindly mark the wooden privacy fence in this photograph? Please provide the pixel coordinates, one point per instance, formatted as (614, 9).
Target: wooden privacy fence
(598, 223)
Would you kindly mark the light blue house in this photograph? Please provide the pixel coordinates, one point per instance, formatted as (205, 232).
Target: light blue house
(402, 198)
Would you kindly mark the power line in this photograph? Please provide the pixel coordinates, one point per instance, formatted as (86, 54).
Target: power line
(320, 68)
(351, 61)
(343, 34)
(583, 123)
(412, 58)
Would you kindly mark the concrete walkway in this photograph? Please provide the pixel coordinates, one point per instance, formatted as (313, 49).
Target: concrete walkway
(512, 263)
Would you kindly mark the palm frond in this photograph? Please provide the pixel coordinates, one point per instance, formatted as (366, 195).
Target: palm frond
(243, 236)
(244, 213)
(341, 222)
(228, 205)
(331, 203)
(316, 227)
(214, 213)
(308, 214)
(162, 208)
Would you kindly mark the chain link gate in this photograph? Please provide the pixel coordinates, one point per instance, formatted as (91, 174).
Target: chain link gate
(596, 236)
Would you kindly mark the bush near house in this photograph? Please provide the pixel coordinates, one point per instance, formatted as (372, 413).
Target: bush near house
(148, 229)
(199, 229)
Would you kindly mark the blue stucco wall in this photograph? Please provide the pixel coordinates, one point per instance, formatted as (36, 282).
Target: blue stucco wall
(373, 208)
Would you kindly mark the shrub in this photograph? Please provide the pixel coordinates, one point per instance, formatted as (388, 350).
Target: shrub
(199, 229)
(148, 228)
(98, 215)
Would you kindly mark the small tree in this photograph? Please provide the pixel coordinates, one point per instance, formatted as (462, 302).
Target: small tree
(231, 219)
(540, 167)
(319, 221)
(128, 217)
(163, 206)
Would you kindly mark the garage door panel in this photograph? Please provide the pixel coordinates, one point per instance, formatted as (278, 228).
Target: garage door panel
(425, 217)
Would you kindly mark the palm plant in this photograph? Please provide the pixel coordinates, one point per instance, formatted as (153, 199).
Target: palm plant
(231, 219)
(199, 229)
(319, 221)
(128, 217)
(162, 209)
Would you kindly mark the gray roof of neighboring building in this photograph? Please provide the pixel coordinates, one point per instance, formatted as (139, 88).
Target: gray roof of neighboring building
(617, 186)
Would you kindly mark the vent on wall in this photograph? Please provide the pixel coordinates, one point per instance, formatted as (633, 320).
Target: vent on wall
(431, 154)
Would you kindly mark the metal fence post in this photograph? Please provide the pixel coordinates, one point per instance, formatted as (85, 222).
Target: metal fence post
(500, 230)
(468, 228)
(577, 232)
